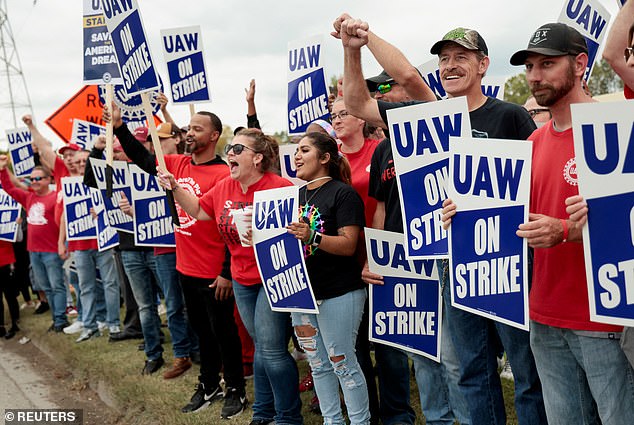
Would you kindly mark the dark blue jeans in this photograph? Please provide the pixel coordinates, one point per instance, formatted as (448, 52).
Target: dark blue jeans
(476, 343)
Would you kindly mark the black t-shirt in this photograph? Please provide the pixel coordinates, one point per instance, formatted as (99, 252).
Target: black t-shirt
(328, 208)
(495, 119)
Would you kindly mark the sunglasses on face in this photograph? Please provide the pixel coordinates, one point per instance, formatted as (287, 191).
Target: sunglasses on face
(37, 179)
(385, 88)
(534, 112)
(237, 148)
(342, 115)
(627, 53)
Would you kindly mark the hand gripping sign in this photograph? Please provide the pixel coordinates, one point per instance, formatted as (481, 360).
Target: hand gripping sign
(489, 181)
(100, 61)
(183, 51)
(80, 224)
(9, 213)
(405, 312)
(590, 18)
(84, 133)
(279, 254)
(152, 220)
(107, 236)
(604, 150)
(420, 145)
(121, 186)
(21, 151)
(307, 90)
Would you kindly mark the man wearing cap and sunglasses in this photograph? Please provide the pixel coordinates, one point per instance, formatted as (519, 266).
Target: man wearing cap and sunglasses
(463, 61)
(582, 367)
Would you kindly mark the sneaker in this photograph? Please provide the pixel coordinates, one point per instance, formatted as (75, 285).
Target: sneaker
(202, 398)
(71, 311)
(507, 372)
(42, 308)
(235, 403)
(102, 326)
(114, 329)
(262, 422)
(152, 366)
(11, 332)
(86, 334)
(58, 329)
(29, 304)
(180, 366)
(76, 327)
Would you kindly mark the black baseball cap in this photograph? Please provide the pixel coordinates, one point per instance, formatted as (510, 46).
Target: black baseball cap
(374, 82)
(467, 38)
(554, 39)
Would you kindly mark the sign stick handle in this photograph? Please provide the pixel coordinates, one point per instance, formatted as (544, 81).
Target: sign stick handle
(109, 142)
(192, 110)
(158, 151)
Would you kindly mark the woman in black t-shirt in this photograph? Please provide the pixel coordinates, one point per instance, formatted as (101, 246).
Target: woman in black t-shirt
(331, 218)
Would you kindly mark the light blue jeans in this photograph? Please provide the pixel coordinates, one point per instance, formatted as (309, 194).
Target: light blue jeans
(577, 371)
(329, 345)
(275, 374)
(93, 292)
(47, 266)
(140, 268)
(440, 397)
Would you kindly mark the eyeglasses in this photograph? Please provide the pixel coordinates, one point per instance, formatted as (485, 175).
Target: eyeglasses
(342, 115)
(37, 179)
(385, 88)
(237, 148)
(628, 52)
(537, 111)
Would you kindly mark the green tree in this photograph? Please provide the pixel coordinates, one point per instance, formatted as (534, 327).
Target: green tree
(516, 89)
(603, 79)
(225, 137)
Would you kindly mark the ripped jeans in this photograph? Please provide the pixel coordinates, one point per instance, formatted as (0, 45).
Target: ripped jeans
(328, 338)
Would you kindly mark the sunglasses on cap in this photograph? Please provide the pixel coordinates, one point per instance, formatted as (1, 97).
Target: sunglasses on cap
(237, 148)
(537, 111)
(385, 88)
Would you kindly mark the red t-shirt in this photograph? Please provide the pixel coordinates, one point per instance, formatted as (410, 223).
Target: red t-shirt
(360, 170)
(559, 294)
(59, 171)
(42, 230)
(218, 203)
(82, 245)
(7, 256)
(200, 251)
(628, 92)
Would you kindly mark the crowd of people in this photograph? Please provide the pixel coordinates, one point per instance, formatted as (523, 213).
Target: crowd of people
(566, 370)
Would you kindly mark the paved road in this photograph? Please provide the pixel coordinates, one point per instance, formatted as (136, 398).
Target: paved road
(21, 386)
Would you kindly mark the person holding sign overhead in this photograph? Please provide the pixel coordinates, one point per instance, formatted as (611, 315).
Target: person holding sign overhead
(252, 158)
(332, 216)
(568, 346)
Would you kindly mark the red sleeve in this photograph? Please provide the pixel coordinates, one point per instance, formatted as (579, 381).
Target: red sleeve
(17, 194)
(628, 92)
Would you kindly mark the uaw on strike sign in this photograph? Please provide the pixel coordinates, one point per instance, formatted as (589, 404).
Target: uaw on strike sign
(604, 150)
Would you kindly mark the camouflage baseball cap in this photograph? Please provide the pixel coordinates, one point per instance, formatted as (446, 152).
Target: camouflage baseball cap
(467, 38)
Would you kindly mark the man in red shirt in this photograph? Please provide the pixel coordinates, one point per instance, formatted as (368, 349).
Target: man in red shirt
(42, 235)
(581, 366)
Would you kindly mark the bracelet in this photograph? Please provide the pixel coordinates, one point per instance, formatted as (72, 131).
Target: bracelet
(565, 226)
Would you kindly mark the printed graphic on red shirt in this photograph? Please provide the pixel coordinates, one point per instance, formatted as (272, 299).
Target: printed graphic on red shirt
(185, 219)
(36, 214)
(570, 172)
(226, 224)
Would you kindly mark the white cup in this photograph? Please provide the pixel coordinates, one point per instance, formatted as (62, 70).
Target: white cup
(242, 220)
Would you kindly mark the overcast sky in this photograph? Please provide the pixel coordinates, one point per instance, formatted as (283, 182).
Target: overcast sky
(248, 39)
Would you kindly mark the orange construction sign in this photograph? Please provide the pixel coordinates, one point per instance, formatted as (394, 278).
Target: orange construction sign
(84, 105)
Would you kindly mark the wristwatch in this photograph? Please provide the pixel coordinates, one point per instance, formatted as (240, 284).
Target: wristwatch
(317, 239)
